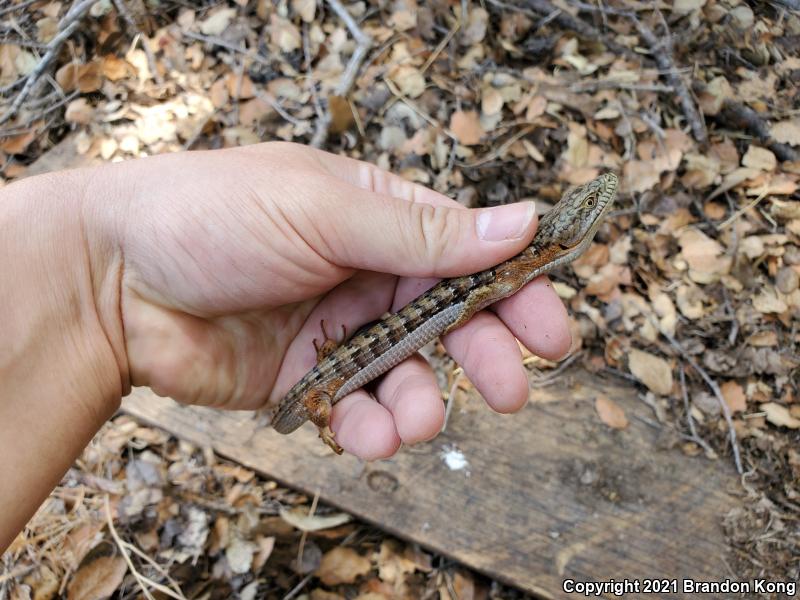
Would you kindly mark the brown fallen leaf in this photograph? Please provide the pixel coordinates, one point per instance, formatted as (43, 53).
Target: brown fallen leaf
(734, 396)
(466, 126)
(97, 579)
(115, 68)
(779, 415)
(341, 114)
(342, 565)
(610, 412)
(304, 522)
(79, 111)
(759, 158)
(17, 144)
(651, 370)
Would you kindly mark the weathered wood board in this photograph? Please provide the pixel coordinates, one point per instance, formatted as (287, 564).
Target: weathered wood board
(546, 495)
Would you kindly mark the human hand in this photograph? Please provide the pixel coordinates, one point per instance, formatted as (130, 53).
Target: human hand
(225, 262)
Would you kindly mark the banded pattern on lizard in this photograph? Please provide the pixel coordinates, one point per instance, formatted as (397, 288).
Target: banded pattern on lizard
(563, 234)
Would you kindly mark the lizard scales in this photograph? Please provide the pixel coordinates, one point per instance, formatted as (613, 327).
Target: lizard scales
(563, 234)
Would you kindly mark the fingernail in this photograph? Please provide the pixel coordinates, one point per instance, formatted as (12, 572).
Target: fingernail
(507, 222)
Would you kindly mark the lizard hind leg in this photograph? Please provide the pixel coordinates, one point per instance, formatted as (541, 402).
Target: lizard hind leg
(328, 345)
(318, 406)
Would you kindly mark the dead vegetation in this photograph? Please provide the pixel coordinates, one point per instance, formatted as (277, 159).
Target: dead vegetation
(691, 289)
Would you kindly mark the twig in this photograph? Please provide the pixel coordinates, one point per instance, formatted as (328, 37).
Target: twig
(790, 4)
(441, 46)
(737, 114)
(742, 210)
(140, 579)
(67, 26)
(363, 44)
(301, 547)
(661, 51)
(15, 7)
(122, 8)
(553, 375)
(299, 587)
(268, 98)
(611, 83)
(323, 116)
(410, 103)
(586, 31)
(500, 150)
(714, 388)
(694, 435)
(458, 373)
(215, 41)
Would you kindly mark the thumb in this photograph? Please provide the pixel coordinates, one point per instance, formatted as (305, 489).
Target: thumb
(428, 235)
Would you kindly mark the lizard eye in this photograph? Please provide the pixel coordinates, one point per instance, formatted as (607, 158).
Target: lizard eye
(590, 201)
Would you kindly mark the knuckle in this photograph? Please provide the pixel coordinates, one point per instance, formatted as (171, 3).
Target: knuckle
(438, 228)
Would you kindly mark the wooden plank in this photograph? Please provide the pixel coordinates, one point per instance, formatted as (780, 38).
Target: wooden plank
(548, 494)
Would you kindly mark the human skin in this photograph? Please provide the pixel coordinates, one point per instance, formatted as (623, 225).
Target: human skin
(205, 276)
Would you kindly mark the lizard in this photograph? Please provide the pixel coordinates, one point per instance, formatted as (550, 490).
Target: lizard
(563, 234)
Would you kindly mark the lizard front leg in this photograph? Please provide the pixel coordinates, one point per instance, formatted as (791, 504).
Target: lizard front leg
(318, 405)
(328, 345)
(479, 299)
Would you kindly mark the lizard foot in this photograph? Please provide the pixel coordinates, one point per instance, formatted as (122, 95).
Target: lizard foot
(328, 345)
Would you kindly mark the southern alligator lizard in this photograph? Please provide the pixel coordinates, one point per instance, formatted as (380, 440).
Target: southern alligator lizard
(563, 235)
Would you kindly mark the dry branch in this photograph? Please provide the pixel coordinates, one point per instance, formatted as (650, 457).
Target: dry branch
(586, 31)
(744, 117)
(66, 27)
(726, 411)
(122, 8)
(363, 44)
(661, 49)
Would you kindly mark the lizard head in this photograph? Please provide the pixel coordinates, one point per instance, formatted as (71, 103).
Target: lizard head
(573, 221)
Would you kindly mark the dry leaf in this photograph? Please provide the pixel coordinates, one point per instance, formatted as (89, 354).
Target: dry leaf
(734, 396)
(342, 565)
(304, 522)
(409, 79)
(341, 114)
(217, 22)
(779, 415)
(491, 101)
(535, 108)
(79, 111)
(651, 370)
(115, 68)
(475, 29)
(284, 34)
(759, 158)
(610, 412)
(787, 132)
(466, 126)
(703, 255)
(97, 579)
(305, 8)
(218, 93)
(767, 301)
(17, 144)
(686, 6)
(47, 29)
(239, 554)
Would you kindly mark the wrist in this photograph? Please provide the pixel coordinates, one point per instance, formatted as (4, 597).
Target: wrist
(59, 295)
(61, 378)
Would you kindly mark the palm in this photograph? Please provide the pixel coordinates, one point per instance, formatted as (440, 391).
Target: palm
(228, 274)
